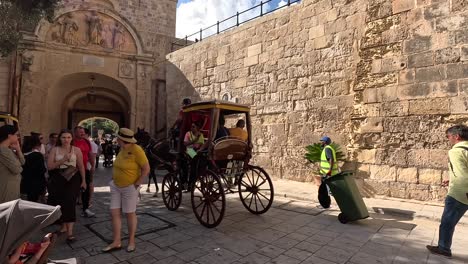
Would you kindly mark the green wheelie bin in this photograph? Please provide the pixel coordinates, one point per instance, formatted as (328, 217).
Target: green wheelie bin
(347, 196)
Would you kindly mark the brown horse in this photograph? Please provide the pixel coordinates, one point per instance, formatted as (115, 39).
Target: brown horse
(158, 154)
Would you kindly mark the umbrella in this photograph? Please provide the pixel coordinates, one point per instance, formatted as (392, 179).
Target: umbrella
(19, 220)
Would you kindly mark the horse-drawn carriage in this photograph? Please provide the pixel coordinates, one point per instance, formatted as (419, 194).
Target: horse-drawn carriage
(8, 119)
(222, 168)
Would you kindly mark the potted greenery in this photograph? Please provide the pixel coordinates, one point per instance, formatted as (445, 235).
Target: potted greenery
(314, 153)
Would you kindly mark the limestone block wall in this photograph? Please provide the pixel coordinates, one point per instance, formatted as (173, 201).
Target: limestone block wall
(411, 85)
(383, 78)
(294, 68)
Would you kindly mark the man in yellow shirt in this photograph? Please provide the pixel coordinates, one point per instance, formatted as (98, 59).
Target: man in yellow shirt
(239, 131)
(456, 203)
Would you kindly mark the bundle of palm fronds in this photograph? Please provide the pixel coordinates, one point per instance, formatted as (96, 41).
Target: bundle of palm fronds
(314, 152)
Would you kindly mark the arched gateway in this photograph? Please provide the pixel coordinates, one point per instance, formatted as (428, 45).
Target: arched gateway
(92, 61)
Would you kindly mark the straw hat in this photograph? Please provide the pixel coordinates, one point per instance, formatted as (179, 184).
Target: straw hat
(126, 135)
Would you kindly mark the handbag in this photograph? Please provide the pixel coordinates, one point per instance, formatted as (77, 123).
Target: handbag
(69, 171)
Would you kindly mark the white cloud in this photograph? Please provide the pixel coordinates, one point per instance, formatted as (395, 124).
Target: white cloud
(282, 3)
(192, 16)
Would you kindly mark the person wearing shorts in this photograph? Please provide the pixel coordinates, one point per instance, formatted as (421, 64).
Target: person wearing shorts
(130, 168)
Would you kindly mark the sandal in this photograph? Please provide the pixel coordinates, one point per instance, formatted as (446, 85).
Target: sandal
(130, 249)
(71, 239)
(111, 248)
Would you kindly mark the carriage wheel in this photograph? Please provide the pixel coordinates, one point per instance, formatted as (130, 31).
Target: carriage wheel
(208, 199)
(171, 191)
(256, 190)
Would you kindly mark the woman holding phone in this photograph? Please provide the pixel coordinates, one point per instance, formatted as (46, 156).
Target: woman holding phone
(64, 189)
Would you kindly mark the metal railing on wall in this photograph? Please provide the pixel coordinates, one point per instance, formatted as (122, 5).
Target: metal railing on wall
(231, 22)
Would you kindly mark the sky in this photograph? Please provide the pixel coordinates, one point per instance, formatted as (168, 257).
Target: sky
(195, 14)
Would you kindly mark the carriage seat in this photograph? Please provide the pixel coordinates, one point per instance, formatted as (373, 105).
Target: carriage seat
(229, 148)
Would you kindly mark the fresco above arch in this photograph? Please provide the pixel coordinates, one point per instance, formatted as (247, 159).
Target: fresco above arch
(93, 30)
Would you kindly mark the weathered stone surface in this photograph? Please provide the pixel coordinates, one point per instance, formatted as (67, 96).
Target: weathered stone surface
(399, 6)
(366, 156)
(459, 5)
(429, 106)
(459, 105)
(418, 192)
(413, 91)
(409, 175)
(383, 172)
(464, 53)
(436, 10)
(421, 60)
(430, 176)
(383, 78)
(254, 50)
(316, 31)
(448, 55)
(250, 61)
(457, 71)
(418, 44)
(431, 74)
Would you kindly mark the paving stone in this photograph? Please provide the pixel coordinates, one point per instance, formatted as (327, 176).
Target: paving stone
(285, 243)
(271, 251)
(304, 245)
(297, 236)
(346, 244)
(171, 260)
(143, 259)
(170, 239)
(192, 254)
(162, 253)
(254, 258)
(283, 259)
(316, 260)
(363, 258)
(219, 256)
(102, 258)
(269, 235)
(333, 254)
(387, 240)
(298, 254)
(319, 240)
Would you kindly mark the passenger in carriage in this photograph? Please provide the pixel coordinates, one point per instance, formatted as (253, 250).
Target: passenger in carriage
(222, 130)
(238, 131)
(194, 141)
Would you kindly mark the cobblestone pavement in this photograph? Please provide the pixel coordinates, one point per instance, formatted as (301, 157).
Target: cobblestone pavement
(291, 231)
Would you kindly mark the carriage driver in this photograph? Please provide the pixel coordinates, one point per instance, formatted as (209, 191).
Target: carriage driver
(175, 128)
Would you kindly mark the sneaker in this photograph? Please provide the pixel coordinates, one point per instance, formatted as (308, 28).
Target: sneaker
(88, 213)
(438, 251)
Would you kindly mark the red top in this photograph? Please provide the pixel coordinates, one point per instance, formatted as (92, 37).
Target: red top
(85, 148)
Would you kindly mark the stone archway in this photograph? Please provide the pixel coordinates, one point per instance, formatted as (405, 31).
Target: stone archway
(86, 95)
(103, 106)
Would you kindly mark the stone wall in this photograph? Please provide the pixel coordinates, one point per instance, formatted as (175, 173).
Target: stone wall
(409, 88)
(383, 78)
